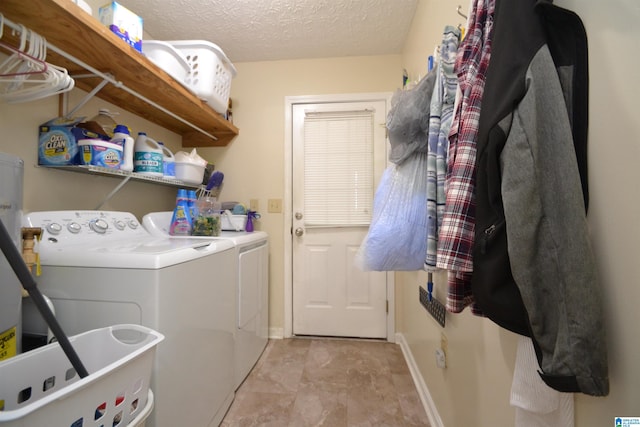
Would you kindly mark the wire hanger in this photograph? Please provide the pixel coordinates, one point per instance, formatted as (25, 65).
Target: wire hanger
(40, 66)
(24, 75)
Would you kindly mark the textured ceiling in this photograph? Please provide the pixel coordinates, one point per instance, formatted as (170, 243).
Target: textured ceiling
(266, 30)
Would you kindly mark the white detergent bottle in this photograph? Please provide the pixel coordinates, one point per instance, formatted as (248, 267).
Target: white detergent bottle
(147, 157)
(122, 137)
(168, 162)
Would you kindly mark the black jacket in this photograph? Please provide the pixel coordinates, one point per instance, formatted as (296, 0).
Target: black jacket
(534, 270)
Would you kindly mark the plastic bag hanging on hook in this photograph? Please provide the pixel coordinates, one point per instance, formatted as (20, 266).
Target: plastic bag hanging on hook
(397, 237)
(408, 120)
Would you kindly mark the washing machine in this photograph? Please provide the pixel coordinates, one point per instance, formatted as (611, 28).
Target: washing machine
(103, 268)
(252, 288)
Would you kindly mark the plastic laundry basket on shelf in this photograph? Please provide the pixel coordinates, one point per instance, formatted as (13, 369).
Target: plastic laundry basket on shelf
(166, 57)
(39, 388)
(210, 71)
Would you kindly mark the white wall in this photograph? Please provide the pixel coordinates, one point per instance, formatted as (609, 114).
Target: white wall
(253, 163)
(614, 151)
(474, 389)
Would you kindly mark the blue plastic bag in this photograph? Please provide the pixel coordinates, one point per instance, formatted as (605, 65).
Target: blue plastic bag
(397, 237)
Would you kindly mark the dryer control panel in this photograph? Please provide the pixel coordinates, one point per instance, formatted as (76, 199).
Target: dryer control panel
(61, 228)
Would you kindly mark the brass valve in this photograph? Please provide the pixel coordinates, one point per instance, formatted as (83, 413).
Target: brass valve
(31, 258)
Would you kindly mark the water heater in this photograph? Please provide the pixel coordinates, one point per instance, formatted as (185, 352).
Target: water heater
(11, 176)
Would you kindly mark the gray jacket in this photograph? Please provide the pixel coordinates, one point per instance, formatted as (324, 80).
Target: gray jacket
(533, 191)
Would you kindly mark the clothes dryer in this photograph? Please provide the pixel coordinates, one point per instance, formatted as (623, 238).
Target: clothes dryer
(102, 268)
(252, 288)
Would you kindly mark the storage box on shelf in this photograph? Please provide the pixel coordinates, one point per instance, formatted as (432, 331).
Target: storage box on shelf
(63, 23)
(189, 173)
(122, 22)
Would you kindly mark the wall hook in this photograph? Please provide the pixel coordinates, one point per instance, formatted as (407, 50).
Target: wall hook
(460, 13)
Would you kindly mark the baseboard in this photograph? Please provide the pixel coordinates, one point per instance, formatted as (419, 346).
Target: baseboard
(276, 333)
(423, 391)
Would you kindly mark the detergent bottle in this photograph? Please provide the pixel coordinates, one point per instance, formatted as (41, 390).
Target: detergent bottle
(168, 162)
(122, 137)
(104, 118)
(147, 158)
(181, 221)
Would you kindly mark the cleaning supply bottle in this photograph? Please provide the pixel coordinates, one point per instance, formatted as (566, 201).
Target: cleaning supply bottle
(105, 119)
(251, 215)
(181, 220)
(191, 202)
(122, 137)
(147, 157)
(168, 162)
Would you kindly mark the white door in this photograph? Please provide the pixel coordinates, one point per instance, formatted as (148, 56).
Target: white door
(338, 158)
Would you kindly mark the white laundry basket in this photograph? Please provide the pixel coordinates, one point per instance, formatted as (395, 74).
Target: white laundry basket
(166, 57)
(40, 388)
(210, 71)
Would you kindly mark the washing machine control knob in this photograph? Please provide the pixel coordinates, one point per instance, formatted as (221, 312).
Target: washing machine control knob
(133, 224)
(54, 228)
(119, 224)
(100, 226)
(74, 227)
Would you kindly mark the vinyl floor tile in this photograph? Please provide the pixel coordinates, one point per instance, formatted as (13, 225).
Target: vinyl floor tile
(305, 382)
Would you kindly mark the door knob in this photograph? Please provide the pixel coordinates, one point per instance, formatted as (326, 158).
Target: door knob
(298, 215)
(299, 231)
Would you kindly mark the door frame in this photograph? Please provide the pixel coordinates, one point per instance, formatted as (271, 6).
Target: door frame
(288, 201)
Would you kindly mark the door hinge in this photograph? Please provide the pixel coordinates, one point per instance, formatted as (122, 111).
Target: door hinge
(387, 306)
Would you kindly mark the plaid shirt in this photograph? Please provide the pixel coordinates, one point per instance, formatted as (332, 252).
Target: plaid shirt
(456, 235)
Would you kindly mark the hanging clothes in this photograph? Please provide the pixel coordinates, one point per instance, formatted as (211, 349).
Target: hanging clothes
(441, 116)
(457, 232)
(535, 403)
(534, 269)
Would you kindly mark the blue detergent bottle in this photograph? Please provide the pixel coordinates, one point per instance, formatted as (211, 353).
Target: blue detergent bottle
(181, 220)
(192, 200)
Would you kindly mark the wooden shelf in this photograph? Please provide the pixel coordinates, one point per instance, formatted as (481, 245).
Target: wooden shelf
(75, 32)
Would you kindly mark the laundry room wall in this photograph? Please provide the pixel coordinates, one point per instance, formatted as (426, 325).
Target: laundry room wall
(474, 388)
(253, 163)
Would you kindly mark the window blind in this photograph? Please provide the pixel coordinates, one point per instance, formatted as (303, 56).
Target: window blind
(338, 168)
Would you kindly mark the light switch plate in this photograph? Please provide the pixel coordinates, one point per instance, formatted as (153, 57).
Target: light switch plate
(274, 206)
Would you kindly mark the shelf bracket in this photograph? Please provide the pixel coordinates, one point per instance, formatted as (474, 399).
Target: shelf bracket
(89, 95)
(112, 80)
(113, 192)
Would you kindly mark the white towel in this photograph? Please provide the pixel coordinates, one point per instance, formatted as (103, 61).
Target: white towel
(537, 404)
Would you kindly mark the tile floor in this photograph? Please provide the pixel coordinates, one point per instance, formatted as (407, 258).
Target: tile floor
(303, 382)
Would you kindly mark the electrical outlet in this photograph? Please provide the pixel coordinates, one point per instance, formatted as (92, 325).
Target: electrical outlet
(254, 205)
(441, 359)
(275, 206)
